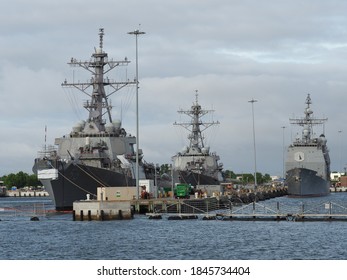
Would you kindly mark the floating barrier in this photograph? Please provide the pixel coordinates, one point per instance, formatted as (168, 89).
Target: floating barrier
(256, 211)
(326, 211)
(32, 211)
(154, 216)
(183, 217)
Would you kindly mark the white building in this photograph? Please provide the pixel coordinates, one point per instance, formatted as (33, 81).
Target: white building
(335, 176)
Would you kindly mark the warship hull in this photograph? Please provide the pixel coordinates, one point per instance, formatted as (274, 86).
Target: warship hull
(194, 178)
(304, 182)
(75, 181)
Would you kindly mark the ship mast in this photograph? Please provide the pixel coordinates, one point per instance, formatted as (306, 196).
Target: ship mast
(194, 126)
(98, 65)
(308, 121)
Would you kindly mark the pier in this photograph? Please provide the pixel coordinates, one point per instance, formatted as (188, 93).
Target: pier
(259, 211)
(101, 210)
(338, 189)
(26, 193)
(326, 211)
(203, 204)
(116, 203)
(243, 205)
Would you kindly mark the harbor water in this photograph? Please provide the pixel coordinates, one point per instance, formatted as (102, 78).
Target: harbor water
(58, 237)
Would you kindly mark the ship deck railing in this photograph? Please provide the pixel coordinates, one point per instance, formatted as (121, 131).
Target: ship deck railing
(301, 144)
(47, 151)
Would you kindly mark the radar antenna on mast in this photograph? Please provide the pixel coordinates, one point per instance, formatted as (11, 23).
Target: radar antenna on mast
(196, 125)
(101, 34)
(98, 105)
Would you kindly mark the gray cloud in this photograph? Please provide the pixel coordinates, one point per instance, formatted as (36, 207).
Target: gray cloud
(230, 51)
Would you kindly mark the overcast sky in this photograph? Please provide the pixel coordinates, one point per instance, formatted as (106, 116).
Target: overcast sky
(229, 50)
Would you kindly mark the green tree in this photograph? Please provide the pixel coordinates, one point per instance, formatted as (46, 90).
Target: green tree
(259, 178)
(20, 180)
(228, 174)
(247, 178)
(267, 178)
(9, 180)
(164, 168)
(32, 181)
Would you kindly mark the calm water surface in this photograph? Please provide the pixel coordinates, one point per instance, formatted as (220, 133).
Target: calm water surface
(58, 237)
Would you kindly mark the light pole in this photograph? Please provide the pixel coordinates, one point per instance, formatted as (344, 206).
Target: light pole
(255, 153)
(340, 167)
(137, 33)
(283, 169)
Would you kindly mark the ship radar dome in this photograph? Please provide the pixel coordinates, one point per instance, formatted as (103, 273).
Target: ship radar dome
(117, 124)
(308, 111)
(82, 123)
(109, 128)
(306, 131)
(78, 126)
(205, 150)
(184, 149)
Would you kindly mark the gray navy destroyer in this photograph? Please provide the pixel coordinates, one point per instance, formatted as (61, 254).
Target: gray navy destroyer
(308, 163)
(97, 152)
(195, 164)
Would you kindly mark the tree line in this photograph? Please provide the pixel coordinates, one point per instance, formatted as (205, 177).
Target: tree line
(20, 180)
(245, 178)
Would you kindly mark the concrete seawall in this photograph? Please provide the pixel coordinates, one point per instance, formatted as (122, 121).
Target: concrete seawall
(19, 193)
(101, 210)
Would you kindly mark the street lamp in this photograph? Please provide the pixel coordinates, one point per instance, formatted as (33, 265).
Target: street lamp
(137, 33)
(255, 153)
(340, 167)
(283, 169)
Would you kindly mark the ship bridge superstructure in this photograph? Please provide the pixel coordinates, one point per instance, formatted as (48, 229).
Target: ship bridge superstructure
(307, 122)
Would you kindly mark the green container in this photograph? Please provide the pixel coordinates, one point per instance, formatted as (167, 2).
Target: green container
(182, 191)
